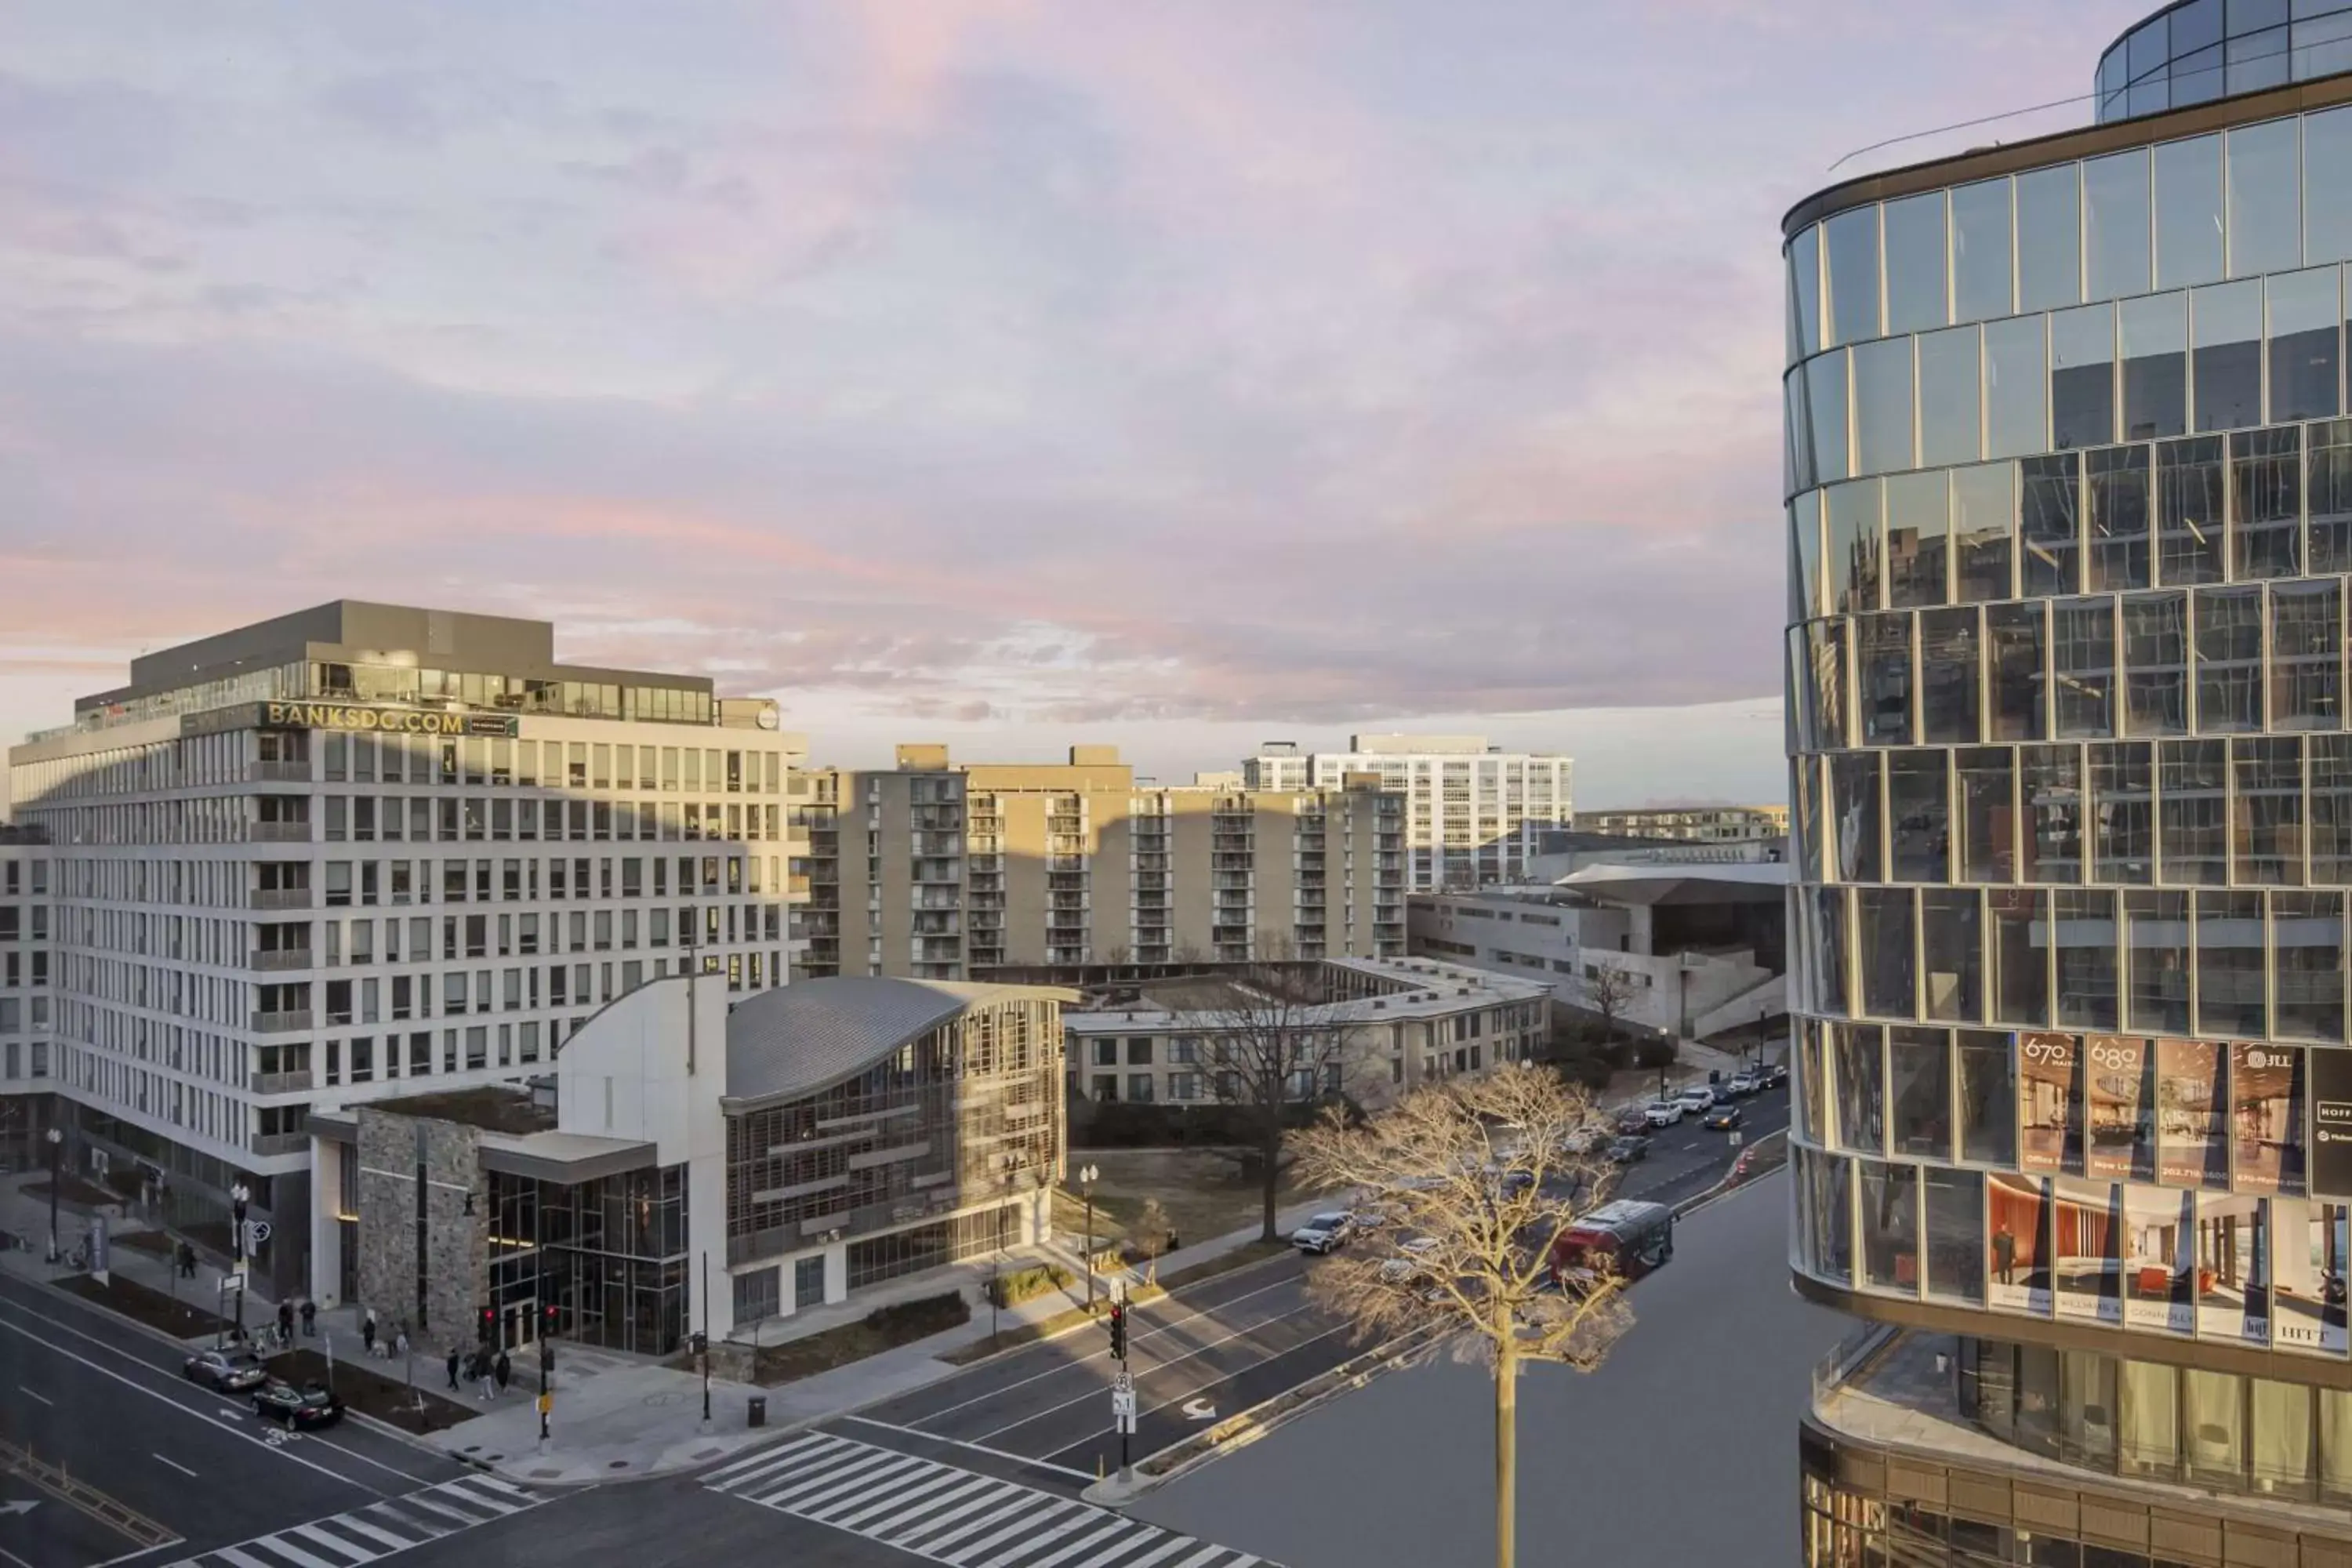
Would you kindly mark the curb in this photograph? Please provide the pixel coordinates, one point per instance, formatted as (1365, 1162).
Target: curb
(1731, 1183)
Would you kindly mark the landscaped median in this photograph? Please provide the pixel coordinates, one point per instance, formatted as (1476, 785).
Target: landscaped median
(1061, 1324)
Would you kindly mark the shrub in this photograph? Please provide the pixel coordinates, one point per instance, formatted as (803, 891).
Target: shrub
(1028, 1284)
(1654, 1054)
(903, 1320)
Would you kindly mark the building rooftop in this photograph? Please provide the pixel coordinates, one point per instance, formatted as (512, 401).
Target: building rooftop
(1413, 988)
(804, 1037)
(492, 1108)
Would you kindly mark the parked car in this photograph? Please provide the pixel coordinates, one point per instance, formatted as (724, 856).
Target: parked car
(1324, 1233)
(1771, 1075)
(1586, 1140)
(225, 1370)
(1627, 1150)
(1407, 1263)
(1722, 1118)
(1662, 1112)
(299, 1409)
(1634, 1118)
(1696, 1100)
(1741, 1084)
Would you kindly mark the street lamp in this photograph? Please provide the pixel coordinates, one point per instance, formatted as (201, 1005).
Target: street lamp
(1009, 1174)
(57, 1141)
(240, 1195)
(1088, 1176)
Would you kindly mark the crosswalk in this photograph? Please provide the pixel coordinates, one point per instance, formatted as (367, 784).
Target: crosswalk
(379, 1530)
(953, 1516)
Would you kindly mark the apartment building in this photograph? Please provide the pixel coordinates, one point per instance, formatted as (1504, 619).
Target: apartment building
(360, 851)
(26, 1106)
(941, 870)
(1690, 824)
(1474, 812)
(1386, 1026)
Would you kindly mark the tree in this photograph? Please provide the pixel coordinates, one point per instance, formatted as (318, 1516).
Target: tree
(1470, 1185)
(1609, 991)
(1268, 1052)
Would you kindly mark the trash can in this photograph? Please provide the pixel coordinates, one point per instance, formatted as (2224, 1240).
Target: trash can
(755, 1410)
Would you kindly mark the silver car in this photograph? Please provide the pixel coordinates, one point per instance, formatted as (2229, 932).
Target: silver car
(225, 1371)
(1324, 1233)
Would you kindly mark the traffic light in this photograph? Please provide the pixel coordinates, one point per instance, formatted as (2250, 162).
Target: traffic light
(489, 1323)
(547, 1318)
(1119, 1330)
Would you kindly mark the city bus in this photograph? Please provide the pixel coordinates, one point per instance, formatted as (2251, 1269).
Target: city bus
(1627, 1236)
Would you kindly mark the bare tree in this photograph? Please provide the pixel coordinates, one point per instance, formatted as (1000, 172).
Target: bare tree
(1270, 1051)
(1609, 991)
(1467, 1189)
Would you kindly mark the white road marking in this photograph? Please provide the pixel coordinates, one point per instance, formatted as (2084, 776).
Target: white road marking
(174, 1464)
(30, 1395)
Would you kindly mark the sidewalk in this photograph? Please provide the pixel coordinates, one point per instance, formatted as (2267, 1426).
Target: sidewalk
(30, 1218)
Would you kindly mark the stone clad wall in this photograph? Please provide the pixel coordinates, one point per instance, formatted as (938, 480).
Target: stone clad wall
(457, 1274)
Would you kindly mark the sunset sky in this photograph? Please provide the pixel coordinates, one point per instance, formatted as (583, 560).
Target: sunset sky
(1175, 374)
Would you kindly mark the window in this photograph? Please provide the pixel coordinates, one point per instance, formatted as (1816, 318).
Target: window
(1883, 405)
(2117, 482)
(2155, 932)
(2229, 660)
(2018, 984)
(1988, 815)
(1854, 514)
(2267, 833)
(2154, 334)
(1984, 530)
(1951, 416)
(1860, 1078)
(2230, 979)
(1982, 248)
(2116, 223)
(1949, 676)
(1987, 1098)
(2306, 324)
(2123, 816)
(1850, 244)
(2014, 643)
(2188, 212)
(1920, 1092)
(2085, 940)
(2050, 525)
(2226, 323)
(2017, 387)
(2265, 229)
(2156, 665)
(2082, 667)
(1913, 238)
(1918, 523)
(1887, 943)
(2048, 239)
(2192, 817)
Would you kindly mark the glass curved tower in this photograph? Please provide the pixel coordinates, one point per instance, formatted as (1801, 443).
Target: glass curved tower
(2070, 510)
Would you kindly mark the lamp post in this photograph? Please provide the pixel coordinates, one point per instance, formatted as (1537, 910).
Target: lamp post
(1009, 1175)
(240, 1195)
(1086, 1177)
(57, 1141)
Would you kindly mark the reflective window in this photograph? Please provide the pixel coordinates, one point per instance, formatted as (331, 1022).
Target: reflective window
(2214, 1420)
(2188, 212)
(2256, 60)
(2116, 479)
(2156, 930)
(1949, 676)
(1805, 293)
(2307, 936)
(1796, 435)
(2226, 325)
(1829, 950)
(2191, 539)
(2148, 1424)
(1882, 678)
(1951, 427)
(2306, 324)
(2082, 377)
(1854, 800)
(2327, 543)
(2307, 656)
(1826, 659)
(2265, 199)
(1888, 1199)
(1918, 816)
(2156, 665)
(1952, 941)
(2088, 983)
(1805, 556)
(1984, 527)
(2050, 778)
(2229, 640)
(1988, 815)
(1981, 251)
(2330, 763)
(2123, 813)
(2327, 176)
(2230, 979)
(1915, 263)
(2082, 667)
(2267, 808)
(1956, 1240)
(2115, 223)
(2322, 47)
(1885, 943)
(2154, 333)
(1884, 415)
(1852, 244)
(2193, 816)
(2017, 417)
(2014, 646)
(2050, 237)
(1853, 514)
(1987, 1098)
(1918, 519)
(2018, 959)
(1860, 1086)
(2050, 527)
(1825, 413)
(1824, 1216)
(2266, 502)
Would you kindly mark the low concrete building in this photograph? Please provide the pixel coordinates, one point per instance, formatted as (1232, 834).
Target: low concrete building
(699, 1165)
(1690, 824)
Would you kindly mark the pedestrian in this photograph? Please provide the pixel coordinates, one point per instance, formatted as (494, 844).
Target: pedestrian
(285, 1322)
(482, 1371)
(310, 1319)
(505, 1371)
(367, 1330)
(187, 1261)
(400, 1342)
(2004, 1254)
(453, 1369)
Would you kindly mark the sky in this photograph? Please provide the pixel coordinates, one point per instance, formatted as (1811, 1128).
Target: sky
(1011, 372)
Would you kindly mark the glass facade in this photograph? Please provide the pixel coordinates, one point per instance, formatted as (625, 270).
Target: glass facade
(2069, 479)
(610, 1255)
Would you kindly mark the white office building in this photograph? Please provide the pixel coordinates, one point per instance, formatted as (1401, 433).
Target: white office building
(1474, 812)
(359, 852)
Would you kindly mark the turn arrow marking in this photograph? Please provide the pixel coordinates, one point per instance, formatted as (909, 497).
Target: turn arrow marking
(20, 1505)
(1200, 1410)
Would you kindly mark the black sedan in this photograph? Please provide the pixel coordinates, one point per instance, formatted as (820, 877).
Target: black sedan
(301, 1409)
(1627, 1150)
(226, 1371)
(1722, 1118)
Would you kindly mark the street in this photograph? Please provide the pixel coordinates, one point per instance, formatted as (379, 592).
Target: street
(107, 1450)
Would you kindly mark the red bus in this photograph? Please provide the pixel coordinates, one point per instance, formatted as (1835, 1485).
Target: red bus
(1628, 1235)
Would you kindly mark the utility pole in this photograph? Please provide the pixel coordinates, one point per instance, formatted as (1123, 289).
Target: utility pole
(57, 1141)
(706, 1322)
(240, 1195)
(1087, 1176)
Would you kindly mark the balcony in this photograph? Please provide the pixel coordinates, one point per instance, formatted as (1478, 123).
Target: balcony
(277, 833)
(280, 1082)
(281, 958)
(281, 899)
(267, 1143)
(277, 773)
(280, 1023)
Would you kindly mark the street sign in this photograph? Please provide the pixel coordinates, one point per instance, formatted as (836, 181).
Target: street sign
(1735, 1138)
(257, 1231)
(1122, 1406)
(546, 1403)
(232, 1283)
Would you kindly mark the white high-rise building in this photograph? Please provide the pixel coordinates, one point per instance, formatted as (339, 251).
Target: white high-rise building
(1474, 812)
(356, 852)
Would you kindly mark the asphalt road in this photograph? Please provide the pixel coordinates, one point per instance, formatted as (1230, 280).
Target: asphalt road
(104, 1404)
(1680, 1449)
(655, 1524)
(1043, 1414)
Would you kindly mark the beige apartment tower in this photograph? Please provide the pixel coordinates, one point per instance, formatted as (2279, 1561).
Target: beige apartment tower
(941, 870)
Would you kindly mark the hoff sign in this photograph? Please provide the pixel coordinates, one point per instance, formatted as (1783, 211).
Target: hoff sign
(395, 721)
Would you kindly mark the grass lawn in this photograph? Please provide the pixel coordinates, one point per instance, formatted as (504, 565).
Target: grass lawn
(365, 1389)
(178, 1319)
(885, 1328)
(1201, 1192)
(1061, 1322)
